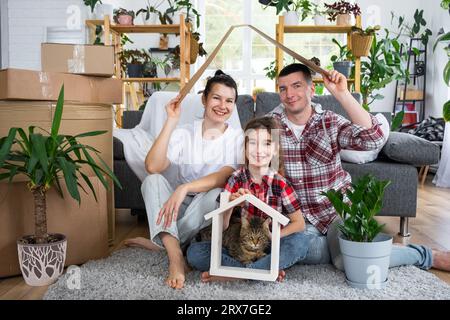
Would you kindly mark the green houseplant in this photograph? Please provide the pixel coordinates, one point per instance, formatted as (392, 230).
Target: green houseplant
(344, 61)
(44, 159)
(362, 40)
(366, 251)
(124, 16)
(150, 13)
(291, 9)
(341, 11)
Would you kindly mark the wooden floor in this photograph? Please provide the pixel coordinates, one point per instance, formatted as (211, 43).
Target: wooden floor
(431, 227)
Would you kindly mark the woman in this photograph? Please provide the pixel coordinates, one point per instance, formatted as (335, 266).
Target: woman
(188, 167)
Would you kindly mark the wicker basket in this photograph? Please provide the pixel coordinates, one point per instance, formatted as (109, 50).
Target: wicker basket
(361, 44)
(194, 50)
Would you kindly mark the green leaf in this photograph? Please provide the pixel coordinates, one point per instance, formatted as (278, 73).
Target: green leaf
(58, 113)
(90, 134)
(442, 38)
(6, 145)
(397, 121)
(39, 150)
(88, 182)
(70, 178)
(446, 73)
(446, 111)
(110, 173)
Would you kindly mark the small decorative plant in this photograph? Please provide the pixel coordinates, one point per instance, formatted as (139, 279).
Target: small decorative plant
(188, 7)
(345, 54)
(365, 201)
(92, 4)
(414, 31)
(369, 31)
(149, 9)
(342, 7)
(123, 16)
(292, 5)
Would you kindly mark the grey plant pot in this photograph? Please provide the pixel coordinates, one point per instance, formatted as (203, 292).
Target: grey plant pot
(344, 67)
(366, 264)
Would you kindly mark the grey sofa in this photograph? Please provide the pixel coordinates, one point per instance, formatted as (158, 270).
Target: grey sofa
(398, 161)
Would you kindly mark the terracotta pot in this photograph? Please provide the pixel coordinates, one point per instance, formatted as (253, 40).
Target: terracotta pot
(343, 20)
(42, 264)
(125, 19)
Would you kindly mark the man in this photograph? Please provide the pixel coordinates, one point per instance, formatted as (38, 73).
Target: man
(311, 139)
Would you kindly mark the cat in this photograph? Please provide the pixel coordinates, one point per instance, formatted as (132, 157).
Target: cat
(247, 239)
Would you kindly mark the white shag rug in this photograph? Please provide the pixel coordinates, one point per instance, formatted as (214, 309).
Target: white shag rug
(134, 273)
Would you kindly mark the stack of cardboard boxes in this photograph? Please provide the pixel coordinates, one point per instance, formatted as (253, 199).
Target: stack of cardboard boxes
(29, 98)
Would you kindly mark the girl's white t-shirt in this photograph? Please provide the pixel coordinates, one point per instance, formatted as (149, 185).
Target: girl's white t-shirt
(192, 157)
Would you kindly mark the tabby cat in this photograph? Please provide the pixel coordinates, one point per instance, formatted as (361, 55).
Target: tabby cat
(246, 240)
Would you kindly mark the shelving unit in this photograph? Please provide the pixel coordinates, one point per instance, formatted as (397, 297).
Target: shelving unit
(412, 101)
(112, 36)
(282, 29)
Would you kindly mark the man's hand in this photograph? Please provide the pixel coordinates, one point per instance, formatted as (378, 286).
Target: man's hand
(170, 209)
(336, 83)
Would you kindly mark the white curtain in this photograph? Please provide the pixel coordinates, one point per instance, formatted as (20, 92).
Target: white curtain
(442, 177)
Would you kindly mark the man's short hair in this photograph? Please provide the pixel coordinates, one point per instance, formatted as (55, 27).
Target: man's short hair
(297, 67)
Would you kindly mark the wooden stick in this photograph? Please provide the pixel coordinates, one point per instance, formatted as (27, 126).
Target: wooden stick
(185, 90)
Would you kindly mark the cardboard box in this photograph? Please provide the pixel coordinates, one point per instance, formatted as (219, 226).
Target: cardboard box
(19, 84)
(411, 94)
(76, 118)
(85, 226)
(93, 60)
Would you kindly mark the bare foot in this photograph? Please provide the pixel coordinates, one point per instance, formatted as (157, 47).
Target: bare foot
(441, 260)
(177, 271)
(281, 276)
(141, 243)
(206, 277)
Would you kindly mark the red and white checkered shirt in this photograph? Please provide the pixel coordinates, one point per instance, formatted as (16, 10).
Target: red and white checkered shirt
(313, 163)
(273, 190)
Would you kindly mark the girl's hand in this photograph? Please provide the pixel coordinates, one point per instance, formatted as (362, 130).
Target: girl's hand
(238, 194)
(170, 209)
(173, 108)
(336, 83)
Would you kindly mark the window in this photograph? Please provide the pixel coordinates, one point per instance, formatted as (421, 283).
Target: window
(246, 63)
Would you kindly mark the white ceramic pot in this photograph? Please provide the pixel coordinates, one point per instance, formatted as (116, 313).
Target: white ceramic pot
(366, 264)
(42, 264)
(153, 19)
(291, 18)
(320, 20)
(101, 10)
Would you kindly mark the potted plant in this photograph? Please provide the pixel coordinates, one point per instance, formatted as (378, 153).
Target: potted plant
(123, 16)
(186, 7)
(291, 9)
(319, 14)
(174, 60)
(365, 251)
(341, 12)
(362, 40)
(344, 62)
(45, 159)
(91, 4)
(196, 47)
(150, 13)
(133, 61)
(385, 63)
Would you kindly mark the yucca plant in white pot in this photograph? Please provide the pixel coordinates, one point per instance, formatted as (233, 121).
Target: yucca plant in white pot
(44, 159)
(366, 252)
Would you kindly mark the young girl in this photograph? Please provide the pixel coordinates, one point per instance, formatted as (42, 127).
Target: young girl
(187, 168)
(260, 177)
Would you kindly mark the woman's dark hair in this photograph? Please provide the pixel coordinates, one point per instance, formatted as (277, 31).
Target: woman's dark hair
(269, 124)
(222, 78)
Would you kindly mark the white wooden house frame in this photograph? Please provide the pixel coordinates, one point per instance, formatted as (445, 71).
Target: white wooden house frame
(216, 240)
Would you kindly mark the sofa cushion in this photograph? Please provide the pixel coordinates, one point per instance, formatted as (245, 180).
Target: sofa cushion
(246, 108)
(358, 156)
(118, 149)
(407, 148)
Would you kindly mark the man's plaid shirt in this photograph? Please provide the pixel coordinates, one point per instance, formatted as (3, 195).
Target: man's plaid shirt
(313, 163)
(273, 190)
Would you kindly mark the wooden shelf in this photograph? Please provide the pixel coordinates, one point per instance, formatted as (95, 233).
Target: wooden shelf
(317, 29)
(157, 28)
(150, 79)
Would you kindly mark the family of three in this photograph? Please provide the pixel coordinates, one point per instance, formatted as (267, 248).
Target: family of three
(190, 166)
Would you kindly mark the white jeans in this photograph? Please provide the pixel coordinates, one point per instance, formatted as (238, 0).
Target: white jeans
(156, 190)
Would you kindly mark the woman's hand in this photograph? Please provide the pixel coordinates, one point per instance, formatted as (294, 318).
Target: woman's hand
(170, 209)
(173, 108)
(336, 83)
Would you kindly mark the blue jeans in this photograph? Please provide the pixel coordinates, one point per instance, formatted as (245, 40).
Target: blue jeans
(326, 249)
(293, 248)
